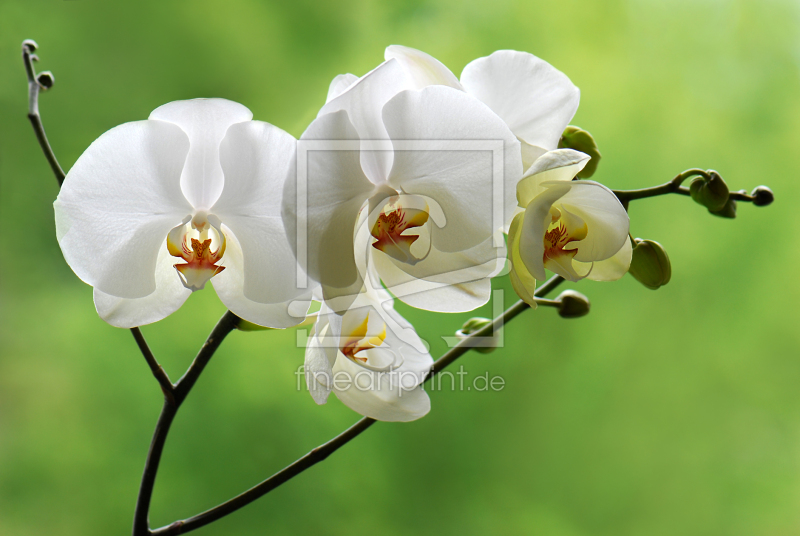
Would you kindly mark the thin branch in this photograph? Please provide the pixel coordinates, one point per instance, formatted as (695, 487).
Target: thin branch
(34, 87)
(325, 450)
(158, 371)
(671, 187)
(172, 401)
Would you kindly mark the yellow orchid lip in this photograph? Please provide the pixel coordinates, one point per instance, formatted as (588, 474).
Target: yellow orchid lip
(192, 241)
(558, 236)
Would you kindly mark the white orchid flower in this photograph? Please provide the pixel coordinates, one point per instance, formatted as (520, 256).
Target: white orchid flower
(154, 209)
(371, 358)
(431, 214)
(536, 100)
(575, 228)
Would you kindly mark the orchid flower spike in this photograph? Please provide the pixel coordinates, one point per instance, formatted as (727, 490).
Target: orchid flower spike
(575, 228)
(536, 100)
(371, 358)
(433, 171)
(155, 209)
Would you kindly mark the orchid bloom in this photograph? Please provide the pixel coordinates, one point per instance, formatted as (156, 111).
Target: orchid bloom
(431, 210)
(575, 228)
(371, 358)
(536, 100)
(154, 209)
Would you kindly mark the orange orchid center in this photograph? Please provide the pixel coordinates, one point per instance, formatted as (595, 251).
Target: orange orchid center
(388, 231)
(193, 242)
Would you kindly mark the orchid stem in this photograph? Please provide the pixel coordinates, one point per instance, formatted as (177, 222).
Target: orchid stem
(323, 451)
(158, 371)
(173, 398)
(28, 57)
(674, 187)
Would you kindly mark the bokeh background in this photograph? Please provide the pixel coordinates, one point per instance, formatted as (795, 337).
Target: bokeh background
(660, 413)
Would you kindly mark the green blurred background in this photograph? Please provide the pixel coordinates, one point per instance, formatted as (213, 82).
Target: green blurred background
(661, 413)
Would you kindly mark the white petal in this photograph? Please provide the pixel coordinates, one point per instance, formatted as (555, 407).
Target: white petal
(521, 279)
(205, 121)
(167, 298)
(320, 356)
(443, 282)
(606, 219)
(340, 84)
(460, 179)
(336, 189)
(256, 158)
(530, 153)
(229, 284)
(423, 69)
(534, 224)
(615, 266)
(534, 98)
(363, 102)
(558, 165)
(118, 203)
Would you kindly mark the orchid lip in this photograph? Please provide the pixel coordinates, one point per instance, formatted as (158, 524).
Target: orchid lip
(193, 241)
(395, 217)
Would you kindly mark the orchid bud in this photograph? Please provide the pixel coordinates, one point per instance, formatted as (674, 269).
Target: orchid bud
(727, 211)
(572, 304)
(762, 196)
(488, 343)
(580, 140)
(650, 264)
(711, 192)
(45, 80)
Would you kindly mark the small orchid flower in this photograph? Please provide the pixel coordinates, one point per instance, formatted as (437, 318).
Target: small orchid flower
(430, 215)
(155, 209)
(536, 100)
(371, 358)
(576, 229)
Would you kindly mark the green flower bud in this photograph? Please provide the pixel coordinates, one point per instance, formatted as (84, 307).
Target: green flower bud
(572, 304)
(650, 264)
(580, 140)
(728, 211)
(710, 192)
(476, 324)
(762, 196)
(46, 80)
(30, 45)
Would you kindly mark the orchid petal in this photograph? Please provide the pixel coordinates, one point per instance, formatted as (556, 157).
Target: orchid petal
(423, 69)
(167, 298)
(534, 224)
(536, 100)
(363, 102)
(614, 267)
(460, 181)
(606, 219)
(336, 190)
(229, 285)
(119, 202)
(521, 279)
(256, 158)
(558, 165)
(205, 121)
(339, 85)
